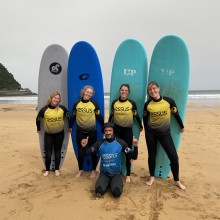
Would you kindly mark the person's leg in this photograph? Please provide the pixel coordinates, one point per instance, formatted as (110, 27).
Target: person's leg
(151, 142)
(116, 185)
(169, 147)
(102, 184)
(48, 145)
(127, 135)
(91, 141)
(58, 142)
(79, 137)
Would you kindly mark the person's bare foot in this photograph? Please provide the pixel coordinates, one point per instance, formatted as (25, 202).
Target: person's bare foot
(46, 173)
(78, 175)
(93, 174)
(180, 185)
(128, 179)
(57, 173)
(150, 181)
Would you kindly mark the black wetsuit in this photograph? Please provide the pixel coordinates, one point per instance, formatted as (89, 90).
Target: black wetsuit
(110, 165)
(122, 114)
(85, 114)
(156, 118)
(54, 132)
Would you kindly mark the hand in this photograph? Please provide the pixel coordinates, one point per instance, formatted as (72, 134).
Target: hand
(84, 142)
(140, 129)
(70, 130)
(135, 141)
(181, 130)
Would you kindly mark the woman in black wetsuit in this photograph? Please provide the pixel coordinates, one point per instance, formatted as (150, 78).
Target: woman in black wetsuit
(156, 118)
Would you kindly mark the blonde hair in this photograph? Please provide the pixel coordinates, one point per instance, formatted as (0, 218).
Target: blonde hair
(52, 96)
(85, 88)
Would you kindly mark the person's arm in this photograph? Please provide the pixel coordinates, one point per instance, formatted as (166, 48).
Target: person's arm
(93, 149)
(40, 116)
(111, 116)
(65, 112)
(133, 154)
(145, 115)
(135, 114)
(98, 113)
(72, 117)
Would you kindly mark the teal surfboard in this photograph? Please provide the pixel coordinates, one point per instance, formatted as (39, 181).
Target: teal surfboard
(169, 66)
(53, 77)
(130, 67)
(84, 69)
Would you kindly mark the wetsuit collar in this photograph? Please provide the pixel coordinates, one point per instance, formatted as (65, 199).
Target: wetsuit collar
(124, 100)
(111, 139)
(52, 107)
(157, 100)
(84, 101)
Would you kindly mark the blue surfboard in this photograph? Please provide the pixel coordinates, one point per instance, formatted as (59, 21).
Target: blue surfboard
(53, 77)
(169, 66)
(84, 69)
(130, 67)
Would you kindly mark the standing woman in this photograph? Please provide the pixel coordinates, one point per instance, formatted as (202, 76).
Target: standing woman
(123, 111)
(85, 111)
(157, 114)
(53, 115)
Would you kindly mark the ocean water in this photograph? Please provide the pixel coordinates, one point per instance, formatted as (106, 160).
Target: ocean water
(201, 97)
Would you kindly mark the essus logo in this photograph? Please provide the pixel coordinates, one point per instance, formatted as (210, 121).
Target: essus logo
(55, 68)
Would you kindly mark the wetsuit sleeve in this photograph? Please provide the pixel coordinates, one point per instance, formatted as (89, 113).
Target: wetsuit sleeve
(133, 154)
(65, 112)
(98, 113)
(111, 116)
(93, 149)
(72, 117)
(145, 115)
(175, 112)
(40, 116)
(135, 113)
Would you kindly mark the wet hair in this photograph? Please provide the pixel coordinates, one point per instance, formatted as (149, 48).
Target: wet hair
(85, 88)
(126, 85)
(52, 96)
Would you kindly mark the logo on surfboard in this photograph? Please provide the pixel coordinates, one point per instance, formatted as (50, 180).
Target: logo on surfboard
(84, 76)
(55, 68)
(129, 72)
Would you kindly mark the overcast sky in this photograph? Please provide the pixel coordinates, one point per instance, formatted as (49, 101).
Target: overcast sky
(29, 26)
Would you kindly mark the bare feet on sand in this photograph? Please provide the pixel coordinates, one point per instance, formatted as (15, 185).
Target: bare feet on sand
(180, 185)
(93, 174)
(78, 175)
(57, 173)
(150, 181)
(128, 179)
(46, 173)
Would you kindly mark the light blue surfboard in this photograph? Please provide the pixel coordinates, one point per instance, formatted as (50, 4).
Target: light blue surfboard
(53, 77)
(130, 67)
(169, 66)
(84, 69)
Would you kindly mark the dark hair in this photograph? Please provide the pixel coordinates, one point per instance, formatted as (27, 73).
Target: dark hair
(152, 83)
(126, 85)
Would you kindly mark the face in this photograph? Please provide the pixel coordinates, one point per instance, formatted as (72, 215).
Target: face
(55, 100)
(88, 94)
(109, 132)
(154, 91)
(124, 92)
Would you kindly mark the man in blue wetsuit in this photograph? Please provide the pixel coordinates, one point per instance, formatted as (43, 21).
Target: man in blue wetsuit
(110, 149)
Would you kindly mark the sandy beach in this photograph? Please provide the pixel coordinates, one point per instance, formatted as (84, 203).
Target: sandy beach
(27, 194)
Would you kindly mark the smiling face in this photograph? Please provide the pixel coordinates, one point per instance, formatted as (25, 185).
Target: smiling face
(124, 91)
(109, 132)
(55, 100)
(153, 91)
(88, 93)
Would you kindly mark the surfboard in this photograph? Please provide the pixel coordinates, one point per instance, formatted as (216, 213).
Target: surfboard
(130, 66)
(84, 69)
(169, 67)
(53, 77)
